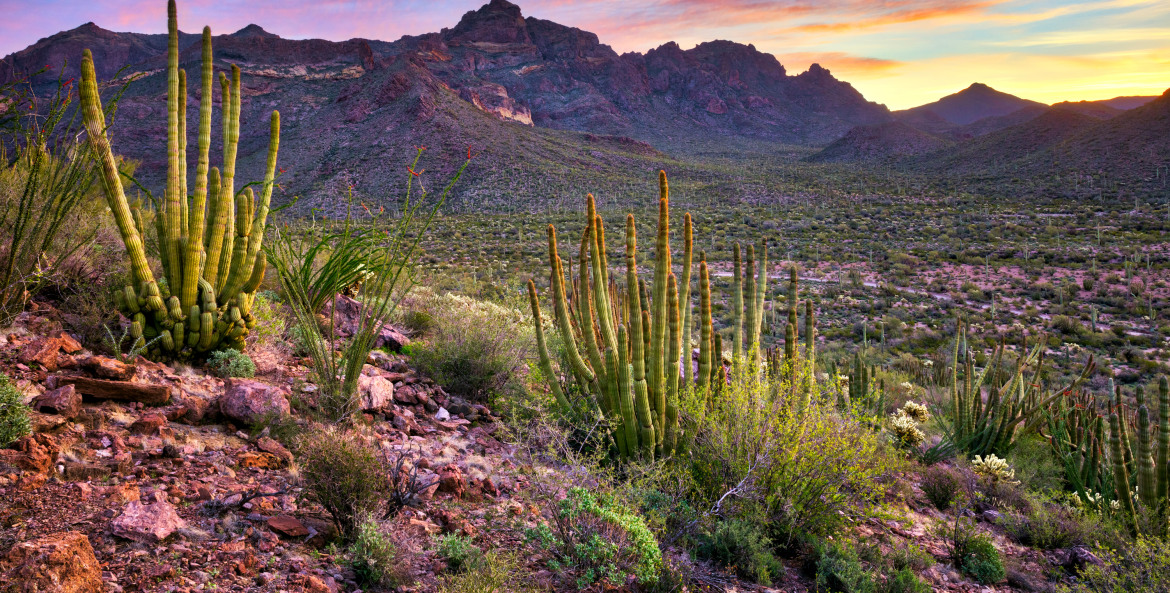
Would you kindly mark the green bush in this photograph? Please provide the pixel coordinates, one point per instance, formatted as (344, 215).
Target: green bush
(741, 545)
(460, 554)
(231, 363)
(940, 484)
(14, 422)
(838, 568)
(499, 572)
(477, 349)
(345, 475)
(979, 559)
(810, 467)
(374, 557)
(905, 581)
(270, 322)
(594, 539)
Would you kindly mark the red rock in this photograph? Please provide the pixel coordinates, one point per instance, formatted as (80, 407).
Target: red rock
(489, 487)
(123, 493)
(110, 368)
(63, 401)
(247, 401)
(287, 525)
(269, 445)
(148, 424)
(405, 396)
(147, 523)
(34, 453)
(155, 395)
(43, 352)
(69, 344)
(451, 480)
(61, 562)
(258, 460)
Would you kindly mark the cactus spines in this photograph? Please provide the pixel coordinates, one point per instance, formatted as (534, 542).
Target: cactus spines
(685, 302)
(1163, 439)
(1120, 476)
(706, 339)
(737, 305)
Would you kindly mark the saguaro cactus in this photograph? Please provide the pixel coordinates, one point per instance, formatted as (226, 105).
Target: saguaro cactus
(632, 346)
(208, 241)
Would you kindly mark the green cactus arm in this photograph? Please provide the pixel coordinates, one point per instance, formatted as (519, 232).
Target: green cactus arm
(561, 309)
(685, 302)
(192, 262)
(737, 304)
(626, 394)
(170, 213)
(216, 226)
(761, 291)
(706, 357)
(1163, 440)
(601, 297)
(546, 367)
(635, 302)
(230, 148)
(585, 306)
(658, 323)
(749, 298)
(1120, 476)
(1147, 483)
(256, 222)
(95, 125)
(184, 205)
(617, 404)
(670, 438)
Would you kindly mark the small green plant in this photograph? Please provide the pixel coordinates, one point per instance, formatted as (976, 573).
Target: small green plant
(137, 347)
(499, 572)
(14, 422)
(741, 545)
(994, 469)
(596, 540)
(1143, 565)
(905, 581)
(231, 363)
(459, 553)
(838, 568)
(374, 557)
(270, 324)
(940, 484)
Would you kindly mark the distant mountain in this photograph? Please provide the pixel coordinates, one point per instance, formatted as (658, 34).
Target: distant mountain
(967, 106)
(1097, 109)
(1126, 103)
(879, 142)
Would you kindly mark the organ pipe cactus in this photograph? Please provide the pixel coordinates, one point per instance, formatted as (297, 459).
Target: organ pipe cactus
(209, 241)
(624, 345)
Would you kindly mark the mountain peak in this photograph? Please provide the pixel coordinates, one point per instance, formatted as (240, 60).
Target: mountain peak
(253, 30)
(498, 21)
(974, 103)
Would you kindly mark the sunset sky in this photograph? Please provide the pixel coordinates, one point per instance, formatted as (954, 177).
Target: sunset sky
(898, 52)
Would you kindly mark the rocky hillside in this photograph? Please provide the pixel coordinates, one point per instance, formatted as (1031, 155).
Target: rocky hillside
(964, 107)
(881, 142)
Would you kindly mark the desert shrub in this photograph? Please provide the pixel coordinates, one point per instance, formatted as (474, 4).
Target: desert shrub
(743, 546)
(477, 349)
(459, 553)
(594, 539)
(838, 568)
(499, 572)
(375, 558)
(904, 581)
(345, 475)
(231, 363)
(993, 469)
(940, 484)
(810, 467)
(1141, 566)
(1048, 525)
(418, 322)
(14, 422)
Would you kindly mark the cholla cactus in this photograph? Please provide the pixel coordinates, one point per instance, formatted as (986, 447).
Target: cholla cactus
(994, 469)
(905, 431)
(916, 411)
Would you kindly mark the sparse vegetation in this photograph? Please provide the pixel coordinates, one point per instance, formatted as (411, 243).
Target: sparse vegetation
(14, 422)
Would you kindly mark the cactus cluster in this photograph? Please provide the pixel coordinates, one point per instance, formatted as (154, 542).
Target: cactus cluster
(624, 345)
(980, 424)
(209, 241)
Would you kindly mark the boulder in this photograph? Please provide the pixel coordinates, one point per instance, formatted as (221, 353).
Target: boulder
(288, 526)
(153, 395)
(273, 447)
(43, 352)
(35, 453)
(148, 424)
(391, 339)
(61, 562)
(451, 480)
(64, 401)
(147, 523)
(110, 368)
(376, 392)
(247, 401)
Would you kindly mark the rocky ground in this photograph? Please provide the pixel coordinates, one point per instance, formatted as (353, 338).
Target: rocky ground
(144, 477)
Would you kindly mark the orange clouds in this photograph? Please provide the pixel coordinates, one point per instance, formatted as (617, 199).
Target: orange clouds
(841, 64)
